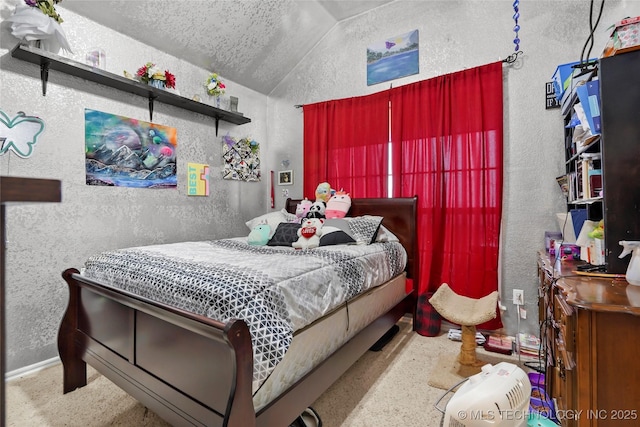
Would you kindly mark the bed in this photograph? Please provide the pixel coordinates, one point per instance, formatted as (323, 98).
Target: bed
(193, 370)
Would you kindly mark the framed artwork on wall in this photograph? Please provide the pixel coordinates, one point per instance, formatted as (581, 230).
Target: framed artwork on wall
(393, 58)
(126, 152)
(285, 177)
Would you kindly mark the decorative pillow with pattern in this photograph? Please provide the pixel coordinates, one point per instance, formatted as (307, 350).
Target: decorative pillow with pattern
(271, 218)
(286, 233)
(364, 228)
(336, 232)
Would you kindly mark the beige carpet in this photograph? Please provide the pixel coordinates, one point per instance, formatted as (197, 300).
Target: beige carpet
(383, 389)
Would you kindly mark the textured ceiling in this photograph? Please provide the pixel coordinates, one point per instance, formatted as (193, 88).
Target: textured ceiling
(253, 42)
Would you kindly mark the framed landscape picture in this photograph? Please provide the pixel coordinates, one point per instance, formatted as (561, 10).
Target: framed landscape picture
(393, 58)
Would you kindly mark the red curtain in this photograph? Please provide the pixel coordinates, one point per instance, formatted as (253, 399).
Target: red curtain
(447, 148)
(346, 145)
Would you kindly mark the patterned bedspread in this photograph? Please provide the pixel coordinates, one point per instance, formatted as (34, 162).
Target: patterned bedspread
(275, 290)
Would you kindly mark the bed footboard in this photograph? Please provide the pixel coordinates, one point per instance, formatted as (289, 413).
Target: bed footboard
(189, 369)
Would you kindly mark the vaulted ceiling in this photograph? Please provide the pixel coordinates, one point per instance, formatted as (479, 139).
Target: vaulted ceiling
(255, 43)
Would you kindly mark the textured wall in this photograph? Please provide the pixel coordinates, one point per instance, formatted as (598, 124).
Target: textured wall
(44, 239)
(455, 35)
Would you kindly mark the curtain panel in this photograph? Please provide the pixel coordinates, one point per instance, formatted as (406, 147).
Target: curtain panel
(446, 145)
(447, 148)
(346, 144)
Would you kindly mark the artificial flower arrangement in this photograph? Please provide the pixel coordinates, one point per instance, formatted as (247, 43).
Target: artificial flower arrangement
(215, 86)
(149, 72)
(37, 23)
(47, 7)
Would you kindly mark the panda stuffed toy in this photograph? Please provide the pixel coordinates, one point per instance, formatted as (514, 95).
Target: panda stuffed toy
(317, 209)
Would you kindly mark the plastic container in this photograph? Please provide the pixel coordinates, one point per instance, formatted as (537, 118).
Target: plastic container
(541, 404)
(538, 420)
(537, 380)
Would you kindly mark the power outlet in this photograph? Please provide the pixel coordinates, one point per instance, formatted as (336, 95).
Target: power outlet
(518, 297)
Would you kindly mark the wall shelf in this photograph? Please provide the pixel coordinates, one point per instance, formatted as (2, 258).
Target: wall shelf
(50, 61)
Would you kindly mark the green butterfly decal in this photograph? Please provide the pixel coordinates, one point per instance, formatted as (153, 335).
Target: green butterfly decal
(19, 134)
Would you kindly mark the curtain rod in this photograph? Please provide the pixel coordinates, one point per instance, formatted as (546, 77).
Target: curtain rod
(508, 60)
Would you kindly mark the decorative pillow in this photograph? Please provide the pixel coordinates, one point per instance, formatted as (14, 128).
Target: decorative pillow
(271, 218)
(365, 228)
(385, 235)
(259, 236)
(285, 235)
(336, 232)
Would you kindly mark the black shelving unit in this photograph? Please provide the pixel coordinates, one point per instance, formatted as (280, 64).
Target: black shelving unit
(50, 61)
(620, 97)
(619, 148)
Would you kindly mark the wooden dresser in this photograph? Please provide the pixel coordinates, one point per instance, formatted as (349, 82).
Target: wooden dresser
(590, 328)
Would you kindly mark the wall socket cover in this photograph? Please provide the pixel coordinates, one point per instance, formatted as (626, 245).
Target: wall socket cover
(518, 297)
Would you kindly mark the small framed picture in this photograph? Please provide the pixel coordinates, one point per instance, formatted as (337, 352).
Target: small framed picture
(285, 177)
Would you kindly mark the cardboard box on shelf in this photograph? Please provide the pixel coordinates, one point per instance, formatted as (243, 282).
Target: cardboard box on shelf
(624, 37)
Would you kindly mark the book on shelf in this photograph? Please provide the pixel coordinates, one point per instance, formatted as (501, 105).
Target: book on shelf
(529, 345)
(499, 344)
(591, 175)
(593, 92)
(563, 182)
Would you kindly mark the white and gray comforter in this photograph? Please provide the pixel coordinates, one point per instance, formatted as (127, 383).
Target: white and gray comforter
(275, 290)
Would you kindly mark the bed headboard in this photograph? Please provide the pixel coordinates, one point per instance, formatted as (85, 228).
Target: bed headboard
(400, 216)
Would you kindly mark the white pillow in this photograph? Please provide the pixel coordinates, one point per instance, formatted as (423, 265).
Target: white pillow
(272, 218)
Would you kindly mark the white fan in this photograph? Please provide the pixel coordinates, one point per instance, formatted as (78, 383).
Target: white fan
(497, 396)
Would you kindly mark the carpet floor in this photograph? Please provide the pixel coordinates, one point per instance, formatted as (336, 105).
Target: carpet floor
(388, 388)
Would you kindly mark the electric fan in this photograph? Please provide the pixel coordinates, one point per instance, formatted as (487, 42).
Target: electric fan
(497, 396)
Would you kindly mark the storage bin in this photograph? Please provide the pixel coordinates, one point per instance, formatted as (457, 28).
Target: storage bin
(538, 420)
(541, 403)
(537, 380)
(625, 36)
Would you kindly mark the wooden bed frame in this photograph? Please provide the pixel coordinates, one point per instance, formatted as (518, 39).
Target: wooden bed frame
(192, 370)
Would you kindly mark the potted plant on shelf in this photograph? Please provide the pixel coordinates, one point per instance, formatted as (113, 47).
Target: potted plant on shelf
(154, 76)
(215, 87)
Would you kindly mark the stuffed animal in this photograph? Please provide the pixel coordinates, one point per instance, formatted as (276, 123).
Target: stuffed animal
(309, 234)
(317, 209)
(302, 209)
(338, 205)
(259, 236)
(323, 192)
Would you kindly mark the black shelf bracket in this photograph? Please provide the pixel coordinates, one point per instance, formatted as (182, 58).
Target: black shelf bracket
(44, 76)
(152, 97)
(217, 120)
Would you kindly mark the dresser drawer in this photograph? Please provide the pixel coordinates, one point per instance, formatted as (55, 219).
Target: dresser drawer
(565, 320)
(564, 372)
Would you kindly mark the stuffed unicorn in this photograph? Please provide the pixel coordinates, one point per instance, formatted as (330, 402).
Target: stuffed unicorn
(338, 205)
(302, 209)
